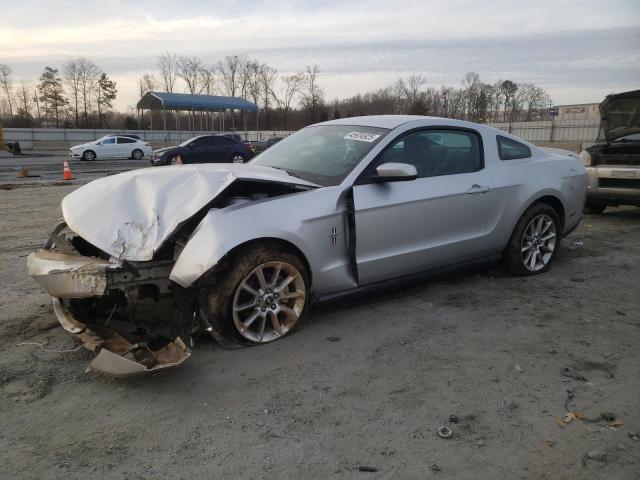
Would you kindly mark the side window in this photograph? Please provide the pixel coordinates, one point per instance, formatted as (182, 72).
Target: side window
(223, 141)
(511, 150)
(125, 140)
(109, 141)
(437, 152)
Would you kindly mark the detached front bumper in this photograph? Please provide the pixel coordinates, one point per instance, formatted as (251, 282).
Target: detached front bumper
(73, 276)
(614, 185)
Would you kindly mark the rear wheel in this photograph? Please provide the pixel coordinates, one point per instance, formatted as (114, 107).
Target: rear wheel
(535, 241)
(262, 296)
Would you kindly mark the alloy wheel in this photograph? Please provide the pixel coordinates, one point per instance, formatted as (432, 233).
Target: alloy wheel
(538, 243)
(237, 159)
(268, 302)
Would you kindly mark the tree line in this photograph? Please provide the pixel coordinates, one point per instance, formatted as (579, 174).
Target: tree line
(81, 95)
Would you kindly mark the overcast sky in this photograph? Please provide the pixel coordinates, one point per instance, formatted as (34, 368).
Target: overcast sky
(579, 51)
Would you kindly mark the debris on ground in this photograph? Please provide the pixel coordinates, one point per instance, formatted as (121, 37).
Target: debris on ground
(569, 372)
(597, 455)
(435, 467)
(367, 468)
(333, 339)
(453, 418)
(444, 432)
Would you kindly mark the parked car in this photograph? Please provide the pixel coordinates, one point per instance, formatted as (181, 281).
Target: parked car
(258, 146)
(111, 146)
(614, 163)
(345, 206)
(203, 149)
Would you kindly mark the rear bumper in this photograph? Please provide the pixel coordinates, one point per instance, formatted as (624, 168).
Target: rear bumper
(614, 185)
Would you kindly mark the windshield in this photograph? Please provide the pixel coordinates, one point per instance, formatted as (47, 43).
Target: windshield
(187, 142)
(322, 154)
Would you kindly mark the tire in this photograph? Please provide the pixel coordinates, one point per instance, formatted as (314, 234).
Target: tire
(175, 160)
(237, 307)
(594, 208)
(89, 156)
(535, 242)
(238, 158)
(137, 154)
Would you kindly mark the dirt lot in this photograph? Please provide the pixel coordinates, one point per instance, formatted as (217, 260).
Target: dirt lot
(364, 386)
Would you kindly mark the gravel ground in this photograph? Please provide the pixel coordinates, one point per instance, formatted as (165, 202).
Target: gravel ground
(359, 392)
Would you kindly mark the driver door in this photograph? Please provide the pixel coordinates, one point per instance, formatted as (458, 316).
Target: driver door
(108, 148)
(438, 219)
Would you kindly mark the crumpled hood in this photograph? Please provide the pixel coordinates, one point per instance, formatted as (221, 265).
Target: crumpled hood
(620, 114)
(131, 214)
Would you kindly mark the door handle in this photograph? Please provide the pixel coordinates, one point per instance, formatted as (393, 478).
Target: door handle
(478, 189)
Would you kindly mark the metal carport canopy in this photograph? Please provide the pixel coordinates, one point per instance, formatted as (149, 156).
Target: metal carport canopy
(186, 101)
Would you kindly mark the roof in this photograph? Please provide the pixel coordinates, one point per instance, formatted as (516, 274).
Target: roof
(393, 121)
(186, 101)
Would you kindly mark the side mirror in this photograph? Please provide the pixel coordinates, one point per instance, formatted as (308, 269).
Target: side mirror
(394, 172)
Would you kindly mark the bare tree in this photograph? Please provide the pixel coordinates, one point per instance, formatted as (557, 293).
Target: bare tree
(146, 83)
(268, 77)
(71, 74)
(291, 85)
(24, 96)
(313, 96)
(5, 81)
(189, 69)
(207, 80)
(88, 77)
(229, 69)
(168, 65)
(411, 90)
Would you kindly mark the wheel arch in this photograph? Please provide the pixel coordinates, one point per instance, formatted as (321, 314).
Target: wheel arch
(280, 242)
(555, 203)
(193, 266)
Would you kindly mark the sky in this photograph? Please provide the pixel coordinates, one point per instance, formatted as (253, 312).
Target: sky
(578, 50)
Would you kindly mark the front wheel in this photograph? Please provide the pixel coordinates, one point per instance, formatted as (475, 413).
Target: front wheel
(137, 154)
(262, 296)
(535, 241)
(89, 156)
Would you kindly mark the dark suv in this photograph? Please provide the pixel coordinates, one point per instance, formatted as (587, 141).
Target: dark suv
(203, 149)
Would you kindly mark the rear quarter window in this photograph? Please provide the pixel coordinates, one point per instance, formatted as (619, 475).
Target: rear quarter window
(509, 149)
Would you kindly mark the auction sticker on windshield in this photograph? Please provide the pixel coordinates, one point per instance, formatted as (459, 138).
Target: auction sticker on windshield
(362, 136)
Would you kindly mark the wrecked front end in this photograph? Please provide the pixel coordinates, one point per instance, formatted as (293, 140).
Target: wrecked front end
(108, 266)
(128, 313)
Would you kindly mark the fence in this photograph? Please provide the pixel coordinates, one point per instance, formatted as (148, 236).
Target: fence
(546, 132)
(62, 138)
(572, 134)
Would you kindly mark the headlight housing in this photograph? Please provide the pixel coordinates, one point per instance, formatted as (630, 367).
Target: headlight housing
(586, 158)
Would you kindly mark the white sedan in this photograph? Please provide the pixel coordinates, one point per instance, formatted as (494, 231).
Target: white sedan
(112, 147)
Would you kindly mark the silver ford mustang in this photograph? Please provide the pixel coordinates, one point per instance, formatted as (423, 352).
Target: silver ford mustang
(146, 258)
